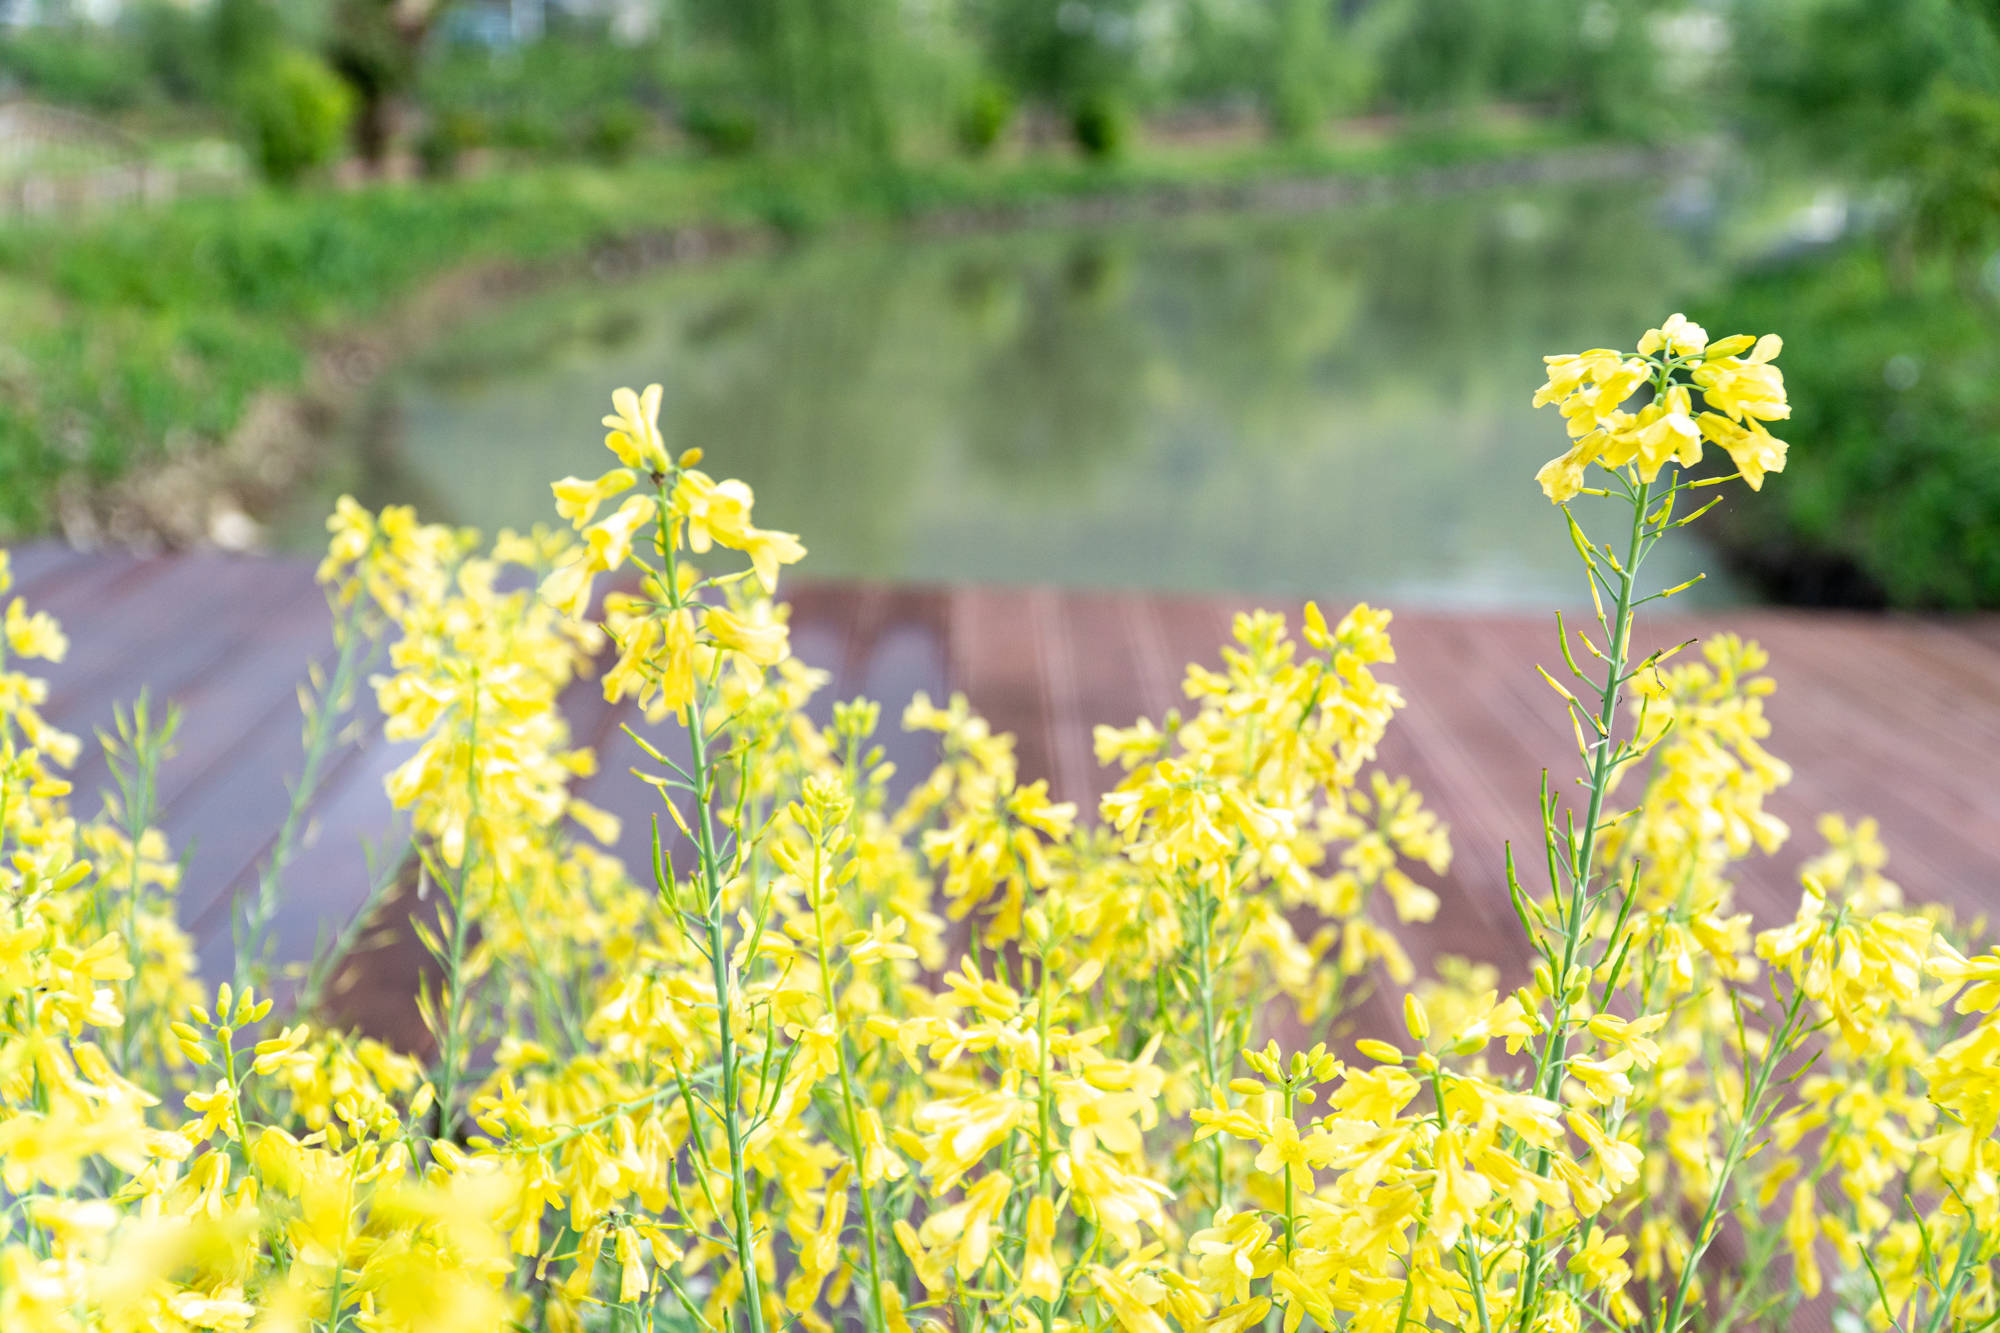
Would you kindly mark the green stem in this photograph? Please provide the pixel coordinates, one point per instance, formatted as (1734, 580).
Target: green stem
(1291, 1186)
(718, 955)
(226, 1041)
(145, 748)
(870, 1226)
(1603, 765)
(1045, 1097)
(1948, 1294)
(451, 1017)
(322, 725)
(1205, 982)
(1753, 1099)
(1473, 1272)
(702, 775)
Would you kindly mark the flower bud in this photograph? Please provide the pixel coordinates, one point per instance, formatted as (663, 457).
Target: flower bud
(1414, 1017)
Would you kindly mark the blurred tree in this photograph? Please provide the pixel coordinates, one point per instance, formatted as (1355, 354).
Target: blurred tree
(1953, 157)
(1221, 51)
(1064, 52)
(1841, 77)
(555, 94)
(175, 44)
(1302, 67)
(1441, 52)
(821, 68)
(242, 34)
(376, 46)
(71, 65)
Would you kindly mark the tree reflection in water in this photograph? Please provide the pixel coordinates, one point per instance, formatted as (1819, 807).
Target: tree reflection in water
(1259, 404)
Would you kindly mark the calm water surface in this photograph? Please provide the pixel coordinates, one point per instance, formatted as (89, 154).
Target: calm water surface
(1334, 405)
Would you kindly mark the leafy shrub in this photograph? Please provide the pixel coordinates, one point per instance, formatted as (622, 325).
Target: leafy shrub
(1101, 126)
(528, 130)
(1951, 155)
(615, 132)
(1898, 499)
(847, 1055)
(719, 128)
(296, 111)
(180, 51)
(447, 137)
(74, 66)
(1303, 64)
(1843, 75)
(983, 120)
(570, 90)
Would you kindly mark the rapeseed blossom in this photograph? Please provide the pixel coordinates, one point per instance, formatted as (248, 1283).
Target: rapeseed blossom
(1598, 393)
(948, 1053)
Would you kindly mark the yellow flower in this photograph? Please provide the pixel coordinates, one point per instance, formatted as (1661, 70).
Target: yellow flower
(1457, 1193)
(1131, 1297)
(1802, 1238)
(635, 432)
(34, 635)
(1982, 994)
(1592, 390)
(1677, 335)
(1041, 1275)
(819, 1257)
(1744, 386)
(609, 541)
(721, 1087)
(718, 513)
(577, 499)
(959, 1132)
(1753, 449)
(966, 1227)
(764, 644)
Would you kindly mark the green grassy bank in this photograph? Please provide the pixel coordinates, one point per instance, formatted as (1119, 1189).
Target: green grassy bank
(143, 336)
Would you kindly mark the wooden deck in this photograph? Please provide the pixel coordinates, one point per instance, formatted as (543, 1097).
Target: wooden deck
(1895, 717)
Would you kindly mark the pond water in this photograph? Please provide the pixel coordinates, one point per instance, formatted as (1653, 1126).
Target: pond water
(1334, 405)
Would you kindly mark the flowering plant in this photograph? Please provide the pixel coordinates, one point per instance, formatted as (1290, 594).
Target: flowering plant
(954, 1058)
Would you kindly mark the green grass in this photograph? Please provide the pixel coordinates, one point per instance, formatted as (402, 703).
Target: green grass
(150, 332)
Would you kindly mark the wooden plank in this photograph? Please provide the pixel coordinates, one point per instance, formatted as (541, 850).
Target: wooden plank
(69, 583)
(1190, 631)
(1857, 751)
(903, 649)
(38, 565)
(1105, 677)
(157, 619)
(330, 875)
(1480, 776)
(223, 681)
(227, 821)
(1072, 769)
(261, 623)
(1893, 716)
(995, 648)
(1156, 677)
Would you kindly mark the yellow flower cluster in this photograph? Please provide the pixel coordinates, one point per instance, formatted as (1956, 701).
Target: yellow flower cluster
(934, 1051)
(1598, 393)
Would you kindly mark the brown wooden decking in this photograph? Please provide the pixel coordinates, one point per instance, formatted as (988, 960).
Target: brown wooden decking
(1898, 717)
